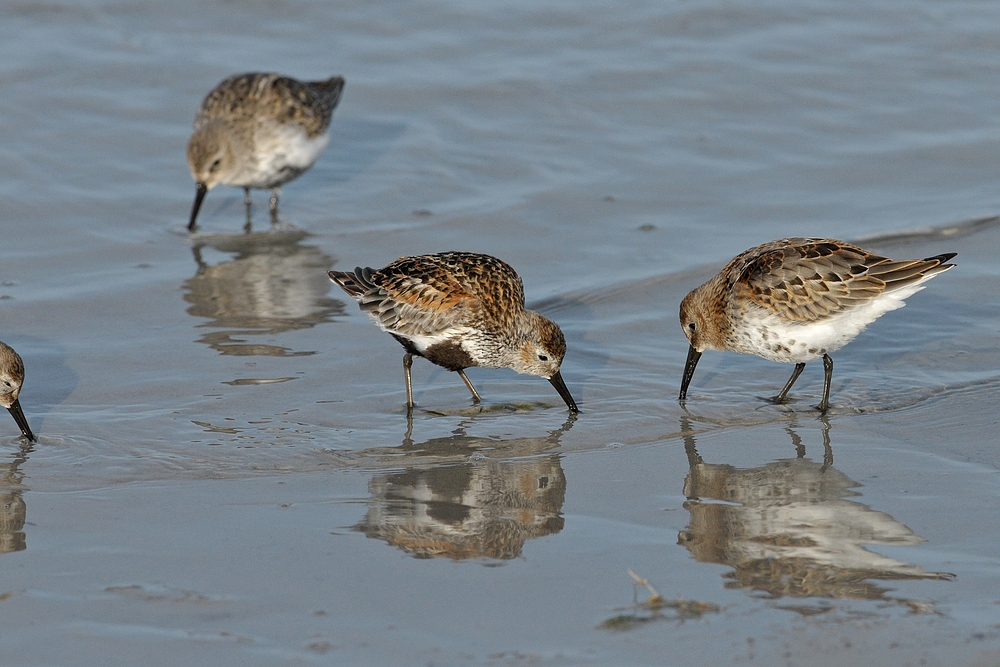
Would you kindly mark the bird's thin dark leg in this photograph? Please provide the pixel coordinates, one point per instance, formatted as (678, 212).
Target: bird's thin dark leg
(407, 364)
(408, 438)
(800, 449)
(780, 398)
(274, 206)
(196, 250)
(824, 405)
(475, 394)
(827, 449)
(249, 204)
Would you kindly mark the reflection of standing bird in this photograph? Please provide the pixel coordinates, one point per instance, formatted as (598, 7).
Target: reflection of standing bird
(259, 130)
(481, 508)
(788, 527)
(13, 511)
(796, 300)
(271, 284)
(462, 496)
(459, 309)
(11, 379)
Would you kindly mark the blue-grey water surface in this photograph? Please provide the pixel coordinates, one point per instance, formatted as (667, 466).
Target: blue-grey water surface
(225, 473)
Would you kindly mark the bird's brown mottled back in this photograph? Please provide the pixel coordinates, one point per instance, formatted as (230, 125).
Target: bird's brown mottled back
(442, 281)
(809, 279)
(310, 104)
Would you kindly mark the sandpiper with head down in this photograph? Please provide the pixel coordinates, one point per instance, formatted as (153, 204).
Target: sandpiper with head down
(11, 379)
(259, 130)
(796, 300)
(457, 310)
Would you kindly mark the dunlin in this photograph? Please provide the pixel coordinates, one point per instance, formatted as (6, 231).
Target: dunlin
(459, 309)
(259, 130)
(796, 300)
(11, 378)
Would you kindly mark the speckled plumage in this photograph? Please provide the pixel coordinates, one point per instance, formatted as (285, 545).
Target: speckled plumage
(459, 309)
(259, 130)
(11, 379)
(796, 300)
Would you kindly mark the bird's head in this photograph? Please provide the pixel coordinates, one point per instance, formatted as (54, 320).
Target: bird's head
(211, 154)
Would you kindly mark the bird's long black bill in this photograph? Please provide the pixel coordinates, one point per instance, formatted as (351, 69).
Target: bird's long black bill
(199, 195)
(692, 361)
(560, 386)
(22, 423)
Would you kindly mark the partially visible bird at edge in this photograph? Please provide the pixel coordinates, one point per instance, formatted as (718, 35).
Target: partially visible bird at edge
(796, 300)
(259, 130)
(11, 379)
(458, 310)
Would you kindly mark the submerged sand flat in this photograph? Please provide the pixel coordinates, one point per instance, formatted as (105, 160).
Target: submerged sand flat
(225, 472)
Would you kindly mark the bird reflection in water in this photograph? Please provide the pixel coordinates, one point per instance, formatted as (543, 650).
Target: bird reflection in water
(790, 530)
(464, 497)
(12, 507)
(272, 284)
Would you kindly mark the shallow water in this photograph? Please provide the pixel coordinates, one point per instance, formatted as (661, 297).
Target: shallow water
(225, 472)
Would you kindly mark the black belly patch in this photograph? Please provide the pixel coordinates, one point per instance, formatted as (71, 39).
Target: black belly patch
(447, 354)
(450, 355)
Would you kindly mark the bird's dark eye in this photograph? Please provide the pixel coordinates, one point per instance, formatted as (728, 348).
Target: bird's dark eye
(692, 326)
(542, 357)
(215, 165)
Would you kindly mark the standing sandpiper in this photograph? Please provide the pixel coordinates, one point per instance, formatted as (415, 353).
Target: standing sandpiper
(459, 309)
(796, 300)
(11, 378)
(259, 130)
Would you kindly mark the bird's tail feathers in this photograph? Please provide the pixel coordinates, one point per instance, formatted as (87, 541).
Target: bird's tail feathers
(330, 89)
(356, 283)
(942, 258)
(903, 273)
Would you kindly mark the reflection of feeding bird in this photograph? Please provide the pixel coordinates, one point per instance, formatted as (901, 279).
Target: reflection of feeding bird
(485, 508)
(796, 300)
(465, 497)
(11, 379)
(259, 130)
(457, 310)
(788, 529)
(271, 285)
(13, 511)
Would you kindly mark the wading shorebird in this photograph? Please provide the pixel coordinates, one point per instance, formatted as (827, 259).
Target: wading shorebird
(459, 309)
(259, 130)
(11, 379)
(796, 300)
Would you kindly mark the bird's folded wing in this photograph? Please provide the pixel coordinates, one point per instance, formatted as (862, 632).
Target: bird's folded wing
(412, 305)
(815, 278)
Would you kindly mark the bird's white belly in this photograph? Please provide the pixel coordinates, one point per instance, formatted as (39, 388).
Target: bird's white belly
(422, 343)
(463, 337)
(772, 337)
(281, 152)
(790, 343)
